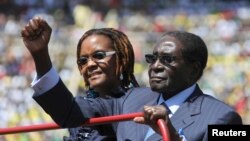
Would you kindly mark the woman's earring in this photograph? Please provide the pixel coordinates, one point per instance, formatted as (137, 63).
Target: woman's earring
(121, 77)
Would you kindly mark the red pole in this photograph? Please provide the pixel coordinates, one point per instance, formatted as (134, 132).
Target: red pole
(29, 128)
(164, 130)
(91, 121)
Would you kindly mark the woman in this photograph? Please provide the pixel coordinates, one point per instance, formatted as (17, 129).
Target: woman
(105, 59)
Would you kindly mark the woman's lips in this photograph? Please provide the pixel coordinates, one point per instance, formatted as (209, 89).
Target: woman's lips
(94, 74)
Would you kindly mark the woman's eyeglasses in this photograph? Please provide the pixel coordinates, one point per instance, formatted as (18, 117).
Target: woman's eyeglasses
(164, 59)
(97, 57)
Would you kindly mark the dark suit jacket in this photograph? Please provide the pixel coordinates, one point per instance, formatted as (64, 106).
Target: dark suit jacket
(193, 116)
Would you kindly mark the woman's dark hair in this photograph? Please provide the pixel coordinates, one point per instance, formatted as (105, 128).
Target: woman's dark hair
(124, 54)
(193, 48)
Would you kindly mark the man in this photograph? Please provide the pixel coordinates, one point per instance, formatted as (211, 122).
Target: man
(177, 63)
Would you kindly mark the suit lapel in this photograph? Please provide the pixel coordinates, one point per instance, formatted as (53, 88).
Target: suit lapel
(183, 117)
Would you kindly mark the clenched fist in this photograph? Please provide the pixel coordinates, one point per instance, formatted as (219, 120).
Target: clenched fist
(36, 35)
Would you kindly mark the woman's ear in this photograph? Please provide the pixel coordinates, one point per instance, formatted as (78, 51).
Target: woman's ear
(120, 72)
(79, 68)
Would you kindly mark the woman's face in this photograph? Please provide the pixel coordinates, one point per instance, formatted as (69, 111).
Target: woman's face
(99, 63)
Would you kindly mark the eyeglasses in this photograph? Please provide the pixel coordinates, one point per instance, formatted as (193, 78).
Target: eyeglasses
(164, 59)
(97, 57)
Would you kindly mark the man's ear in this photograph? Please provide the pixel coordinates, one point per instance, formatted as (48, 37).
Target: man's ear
(195, 70)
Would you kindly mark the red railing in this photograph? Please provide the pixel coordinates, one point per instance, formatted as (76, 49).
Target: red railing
(91, 121)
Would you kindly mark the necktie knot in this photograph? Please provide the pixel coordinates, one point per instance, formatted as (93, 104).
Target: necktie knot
(165, 105)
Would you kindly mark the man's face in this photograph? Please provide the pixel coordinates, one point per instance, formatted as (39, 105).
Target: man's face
(168, 73)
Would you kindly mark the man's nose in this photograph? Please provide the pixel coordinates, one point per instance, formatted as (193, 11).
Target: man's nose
(157, 64)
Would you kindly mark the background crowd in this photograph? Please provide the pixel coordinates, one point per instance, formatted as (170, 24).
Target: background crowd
(223, 24)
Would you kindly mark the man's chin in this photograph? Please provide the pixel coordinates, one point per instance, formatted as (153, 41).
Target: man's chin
(157, 88)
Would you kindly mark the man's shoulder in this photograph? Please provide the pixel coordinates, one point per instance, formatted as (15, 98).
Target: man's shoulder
(216, 105)
(141, 93)
(137, 98)
(208, 99)
(220, 110)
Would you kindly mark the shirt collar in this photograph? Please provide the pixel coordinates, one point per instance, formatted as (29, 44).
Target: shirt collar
(174, 102)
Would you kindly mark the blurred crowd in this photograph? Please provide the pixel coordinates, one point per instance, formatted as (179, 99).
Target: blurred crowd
(223, 24)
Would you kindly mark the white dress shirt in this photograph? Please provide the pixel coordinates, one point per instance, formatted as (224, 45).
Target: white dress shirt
(46, 82)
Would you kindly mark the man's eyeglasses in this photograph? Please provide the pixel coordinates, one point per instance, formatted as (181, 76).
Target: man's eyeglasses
(97, 57)
(164, 59)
